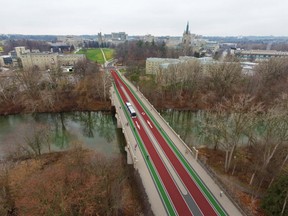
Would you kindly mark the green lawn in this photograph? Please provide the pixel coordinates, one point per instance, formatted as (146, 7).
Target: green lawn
(108, 53)
(96, 54)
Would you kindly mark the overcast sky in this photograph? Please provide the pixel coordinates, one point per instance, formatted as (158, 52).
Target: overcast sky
(140, 17)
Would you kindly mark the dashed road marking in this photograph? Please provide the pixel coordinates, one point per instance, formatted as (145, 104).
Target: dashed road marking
(137, 125)
(148, 122)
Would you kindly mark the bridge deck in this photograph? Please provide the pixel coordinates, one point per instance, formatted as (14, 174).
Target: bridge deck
(168, 152)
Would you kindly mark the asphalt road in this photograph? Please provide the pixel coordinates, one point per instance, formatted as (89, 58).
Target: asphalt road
(187, 201)
(174, 193)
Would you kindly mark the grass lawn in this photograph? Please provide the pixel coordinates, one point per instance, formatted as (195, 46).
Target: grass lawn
(96, 54)
(108, 53)
(93, 55)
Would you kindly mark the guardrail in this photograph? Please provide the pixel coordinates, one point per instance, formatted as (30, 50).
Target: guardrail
(167, 123)
(227, 191)
(166, 200)
(243, 209)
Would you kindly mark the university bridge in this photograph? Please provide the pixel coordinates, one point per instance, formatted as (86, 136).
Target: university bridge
(175, 182)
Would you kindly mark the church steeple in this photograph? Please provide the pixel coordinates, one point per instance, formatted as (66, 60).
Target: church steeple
(187, 28)
(186, 40)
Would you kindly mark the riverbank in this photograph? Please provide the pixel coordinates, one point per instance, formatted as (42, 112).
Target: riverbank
(65, 105)
(75, 182)
(236, 182)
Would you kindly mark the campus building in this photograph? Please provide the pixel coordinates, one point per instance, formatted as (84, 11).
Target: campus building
(114, 38)
(259, 55)
(195, 43)
(6, 60)
(46, 60)
(70, 40)
(155, 65)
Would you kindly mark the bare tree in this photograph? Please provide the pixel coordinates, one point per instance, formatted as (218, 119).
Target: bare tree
(29, 80)
(232, 120)
(39, 139)
(225, 78)
(7, 201)
(8, 90)
(271, 75)
(103, 82)
(272, 139)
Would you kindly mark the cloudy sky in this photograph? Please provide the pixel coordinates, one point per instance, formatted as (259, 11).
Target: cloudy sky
(140, 17)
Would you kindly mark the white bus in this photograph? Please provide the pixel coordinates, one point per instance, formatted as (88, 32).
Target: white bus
(131, 109)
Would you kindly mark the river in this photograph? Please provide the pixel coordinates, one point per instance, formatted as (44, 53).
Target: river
(60, 131)
(185, 123)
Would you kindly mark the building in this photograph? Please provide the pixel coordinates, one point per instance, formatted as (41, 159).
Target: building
(49, 60)
(69, 59)
(148, 38)
(119, 36)
(248, 67)
(195, 44)
(21, 50)
(115, 38)
(187, 37)
(70, 40)
(259, 55)
(6, 60)
(100, 38)
(60, 47)
(173, 42)
(42, 60)
(154, 65)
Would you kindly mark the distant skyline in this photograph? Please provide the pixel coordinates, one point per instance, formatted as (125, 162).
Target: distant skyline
(156, 17)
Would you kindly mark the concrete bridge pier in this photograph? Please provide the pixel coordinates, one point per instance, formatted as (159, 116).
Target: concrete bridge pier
(122, 122)
(119, 123)
(129, 158)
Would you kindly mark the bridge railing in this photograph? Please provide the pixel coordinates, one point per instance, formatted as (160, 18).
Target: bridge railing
(228, 192)
(124, 123)
(168, 125)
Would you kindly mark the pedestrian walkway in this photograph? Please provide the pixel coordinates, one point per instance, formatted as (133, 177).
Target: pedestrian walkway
(227, 204)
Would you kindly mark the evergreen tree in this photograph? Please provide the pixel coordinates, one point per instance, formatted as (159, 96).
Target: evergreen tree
(275, 201)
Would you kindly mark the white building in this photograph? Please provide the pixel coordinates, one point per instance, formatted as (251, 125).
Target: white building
(49, 60)
(70, 40)
(259, 55)
(154, 65)
(149, 38)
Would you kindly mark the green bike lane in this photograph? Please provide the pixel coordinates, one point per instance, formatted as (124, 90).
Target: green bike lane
(210, 198)
(179, 207)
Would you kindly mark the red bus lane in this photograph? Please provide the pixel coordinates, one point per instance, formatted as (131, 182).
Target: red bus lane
(176, 197)
(195, 192)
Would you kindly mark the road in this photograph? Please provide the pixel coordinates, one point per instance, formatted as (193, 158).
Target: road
(186, 191)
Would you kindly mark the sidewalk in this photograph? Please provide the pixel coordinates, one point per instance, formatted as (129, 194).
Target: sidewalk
(226, 203)
(139, 164)
(103, 54)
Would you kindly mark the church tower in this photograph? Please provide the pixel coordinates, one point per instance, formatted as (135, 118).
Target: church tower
(186, 40)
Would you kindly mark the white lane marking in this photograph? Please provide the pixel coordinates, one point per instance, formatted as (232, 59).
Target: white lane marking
(148, 122)
(171, 169)
(137, 125)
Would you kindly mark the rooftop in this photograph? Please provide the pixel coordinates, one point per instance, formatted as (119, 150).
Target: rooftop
(262, 52)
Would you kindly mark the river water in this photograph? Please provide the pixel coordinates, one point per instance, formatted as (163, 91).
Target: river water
(93, 130)
(60, 131)
(185, 123)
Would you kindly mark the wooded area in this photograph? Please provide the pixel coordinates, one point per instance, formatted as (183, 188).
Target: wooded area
(54, 91)
(238, 107)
